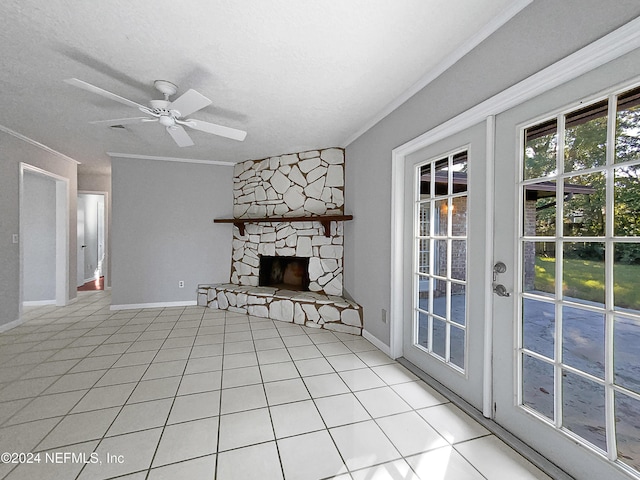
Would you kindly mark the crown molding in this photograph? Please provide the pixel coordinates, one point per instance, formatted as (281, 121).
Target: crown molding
(169, 159)
(496, 22)
(36, 144)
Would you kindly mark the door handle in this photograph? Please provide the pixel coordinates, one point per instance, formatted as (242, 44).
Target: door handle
(500, 290)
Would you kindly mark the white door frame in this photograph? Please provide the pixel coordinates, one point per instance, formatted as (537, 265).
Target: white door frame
(62, 233)
(106, 271)
(621, 41)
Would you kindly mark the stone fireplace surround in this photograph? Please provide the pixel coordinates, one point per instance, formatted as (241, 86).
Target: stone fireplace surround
(304, 184)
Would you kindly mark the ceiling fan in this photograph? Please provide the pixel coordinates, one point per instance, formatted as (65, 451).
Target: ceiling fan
(170, 114)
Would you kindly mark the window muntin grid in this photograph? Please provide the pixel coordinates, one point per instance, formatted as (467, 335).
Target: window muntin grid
(440, 260)
(579, 327)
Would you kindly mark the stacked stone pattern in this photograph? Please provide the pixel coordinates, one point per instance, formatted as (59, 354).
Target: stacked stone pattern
(300, 185)
(303, 308)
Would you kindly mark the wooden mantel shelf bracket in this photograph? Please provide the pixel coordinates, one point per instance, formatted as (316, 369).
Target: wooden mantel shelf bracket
(325, 220)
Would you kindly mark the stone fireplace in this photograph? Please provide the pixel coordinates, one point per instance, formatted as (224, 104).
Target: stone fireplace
(288, 212)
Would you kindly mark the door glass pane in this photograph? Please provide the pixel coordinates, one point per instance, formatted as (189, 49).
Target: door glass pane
(457, 346)
(627, 438)
(441, 218)
(423, 329)
(423, 255)
(424, 182)
(626, 353)
(539, 209)
(441, 172)
(440, 299)
(539, 324)
(459, 168)
(626, 275)
(584, 205)
(539, 268)
(585, 137)
(626, 203)
(423, 285)
(583, 340)
(424, 219)
(537, 385)
(583, 274)
(459, 259)
(458, 303)
(627, 131)
(440, 258)
(540, 150)
(583, 408)
(459, 216)
(439, 337)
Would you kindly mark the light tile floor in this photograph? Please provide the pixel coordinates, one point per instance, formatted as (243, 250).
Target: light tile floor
(193, 393)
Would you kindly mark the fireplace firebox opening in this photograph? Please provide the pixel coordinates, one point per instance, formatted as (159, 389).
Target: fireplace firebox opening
(291, 273)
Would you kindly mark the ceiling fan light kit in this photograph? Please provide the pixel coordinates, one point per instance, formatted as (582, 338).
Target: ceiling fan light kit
(169, 114)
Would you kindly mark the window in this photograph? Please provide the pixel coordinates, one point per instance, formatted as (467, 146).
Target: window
(579, 346)
(440, 266)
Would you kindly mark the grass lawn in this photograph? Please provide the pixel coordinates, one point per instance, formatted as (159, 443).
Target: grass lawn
(584, 279)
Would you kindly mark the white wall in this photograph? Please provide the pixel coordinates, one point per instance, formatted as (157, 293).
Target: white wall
(541, 34)
(163, 230)
(12, 152)
(39, 238)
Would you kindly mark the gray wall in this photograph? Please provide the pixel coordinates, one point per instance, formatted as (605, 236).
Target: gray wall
(543, 33)
(38, 238)
(12, 152)
(163, 230)
(91, 182)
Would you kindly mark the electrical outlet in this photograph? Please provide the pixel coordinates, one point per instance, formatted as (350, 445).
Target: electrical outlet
(181, 284)
(384, 316)
(14, 238)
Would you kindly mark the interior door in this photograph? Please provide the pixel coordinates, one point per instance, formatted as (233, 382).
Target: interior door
(80, 243)
(444, 251)
(567, 325)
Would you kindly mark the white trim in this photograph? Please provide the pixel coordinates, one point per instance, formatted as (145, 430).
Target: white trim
(619, 42)
(487, 30)
(487, 364)
(376, 342)
(39, 145)
(10, 325)
(132, 306)
(37, 303)
(170, 159)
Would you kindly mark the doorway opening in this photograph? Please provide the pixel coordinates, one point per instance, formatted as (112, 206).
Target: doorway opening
(43, 238)
(92, 252)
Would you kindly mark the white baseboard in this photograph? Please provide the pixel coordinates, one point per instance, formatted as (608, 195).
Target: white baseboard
(10, 325)
(381, 346)
(37, 303)
(132, 306)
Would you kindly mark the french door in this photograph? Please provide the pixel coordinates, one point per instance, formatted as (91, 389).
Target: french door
(444, 243)
(567, 338)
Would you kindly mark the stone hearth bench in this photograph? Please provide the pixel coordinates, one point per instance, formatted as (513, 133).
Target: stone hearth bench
(310, 309)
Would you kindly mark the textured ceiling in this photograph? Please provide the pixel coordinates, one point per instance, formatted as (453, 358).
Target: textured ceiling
(296, 75)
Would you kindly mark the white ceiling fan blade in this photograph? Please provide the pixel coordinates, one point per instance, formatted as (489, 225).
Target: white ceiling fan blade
(189, 102)
(123, 121)
(93, 89)
(227, 132)
(180, 136)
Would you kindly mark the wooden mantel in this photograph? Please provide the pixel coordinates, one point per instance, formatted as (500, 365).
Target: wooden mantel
(325, 220)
